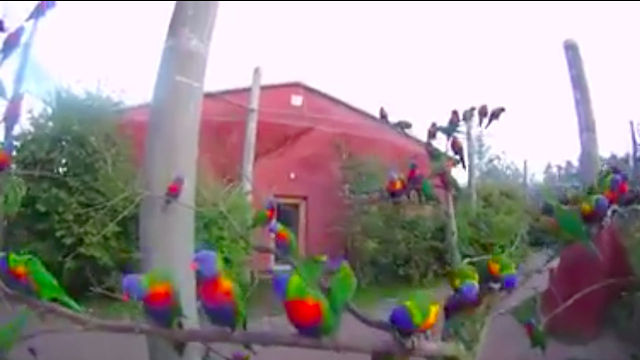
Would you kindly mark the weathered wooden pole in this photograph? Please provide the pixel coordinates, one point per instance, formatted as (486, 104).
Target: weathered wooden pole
(589, 155)
(251, 131)
(634, 152)
(167, 232)
(471, 164)
(525, 178)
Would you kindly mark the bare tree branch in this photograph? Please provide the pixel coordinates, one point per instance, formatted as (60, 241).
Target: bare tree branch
(218, 335)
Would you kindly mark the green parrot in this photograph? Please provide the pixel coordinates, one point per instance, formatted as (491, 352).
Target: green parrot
(342, 284)
(11, 332)
(428, 192)
(30, 274)
(526, 313)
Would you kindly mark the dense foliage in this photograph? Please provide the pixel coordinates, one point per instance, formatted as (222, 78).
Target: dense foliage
(81, 198)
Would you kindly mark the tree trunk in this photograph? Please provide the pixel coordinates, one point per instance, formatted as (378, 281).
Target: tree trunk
(251, 129)
(471, 165)
(167, 234)
(589, 155)
(635, 170)
(452, 231)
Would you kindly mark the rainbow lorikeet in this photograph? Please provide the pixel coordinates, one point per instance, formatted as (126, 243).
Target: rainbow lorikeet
(417, 182)
(594, 209)
(614, 184)
(27, 274)
(458, 150)
(308, 309)
(415, 315)
(5, 160)
(267, 215)
(383, 115)
(568, 224)
(483, 112)
(503, 272)
(174, 190)
(432, 134)
(452, 126)
(11, 43)
(464, 280)
(160, 299)
(467, 115)
(285, 240)
(396, 186)
(239, 355)
(219, 295)
(41, 9)
(494, 115)
(526, 313)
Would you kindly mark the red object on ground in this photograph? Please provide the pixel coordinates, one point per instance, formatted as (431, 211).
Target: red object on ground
(303, 137)
(579, 269)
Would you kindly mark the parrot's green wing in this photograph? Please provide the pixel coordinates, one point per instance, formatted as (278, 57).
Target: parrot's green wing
(47, 287)
(427, 191)
(462, 273)
(11, 331)
(311, 269)
(342, 287)
(570, 222)
(527, 309)
(260, 218)
(506, 265)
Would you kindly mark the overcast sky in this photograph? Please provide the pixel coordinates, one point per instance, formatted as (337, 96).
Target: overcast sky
(419, 60)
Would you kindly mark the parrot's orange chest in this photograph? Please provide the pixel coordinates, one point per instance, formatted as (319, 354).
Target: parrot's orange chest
(305, 312)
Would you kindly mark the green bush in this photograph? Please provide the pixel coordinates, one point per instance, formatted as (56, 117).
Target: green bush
(389, 243)
(501, 220)
(79, 209)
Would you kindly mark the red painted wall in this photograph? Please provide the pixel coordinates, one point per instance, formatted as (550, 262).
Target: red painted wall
(299, 140)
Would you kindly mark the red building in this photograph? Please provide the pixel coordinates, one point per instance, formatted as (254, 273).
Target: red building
(297, 158)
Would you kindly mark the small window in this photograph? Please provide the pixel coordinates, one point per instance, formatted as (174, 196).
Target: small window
(296, 100)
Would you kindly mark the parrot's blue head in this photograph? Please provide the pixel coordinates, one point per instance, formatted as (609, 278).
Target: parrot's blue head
(279, 282)
(273, 227)
(179, 180)
(400, 318)
(601, 205)
(334, 263)
(510, 281)
(469, 291)
(393, 175)
(413, 165)
(205, 263)
(616, 180)
(132, 287)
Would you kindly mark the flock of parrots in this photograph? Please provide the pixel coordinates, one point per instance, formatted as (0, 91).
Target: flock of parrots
(316, 291)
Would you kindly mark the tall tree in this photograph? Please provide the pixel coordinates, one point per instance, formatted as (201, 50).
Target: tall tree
(167, 232)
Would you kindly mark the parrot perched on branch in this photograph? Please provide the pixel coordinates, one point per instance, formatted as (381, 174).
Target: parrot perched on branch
(503, 272)
(526, 313)
(11, 43)
(415, 315)
(174, 190)
(285, 240)
(383, 115)
(396, 186)
(495, 115)
(41, 10)
(594, 208)
(160, 299)
(613, 184)
(464, 280)
(483, 112)
(458, 150)
(27, 274)
(267, 214)
(432, 134)
(219, 295)
(308, 309)
(452, 125)
(467, 115)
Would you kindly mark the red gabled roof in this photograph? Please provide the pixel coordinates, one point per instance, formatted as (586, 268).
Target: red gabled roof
(213, 94)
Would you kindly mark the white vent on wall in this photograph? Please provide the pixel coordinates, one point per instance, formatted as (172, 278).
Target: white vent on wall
(296, 100)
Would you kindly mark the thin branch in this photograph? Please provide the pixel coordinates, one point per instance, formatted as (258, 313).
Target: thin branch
(219, 335)
(584, 292)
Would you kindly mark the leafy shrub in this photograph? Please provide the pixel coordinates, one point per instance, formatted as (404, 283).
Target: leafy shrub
(501, 221)
(78, 212)
(389, 243)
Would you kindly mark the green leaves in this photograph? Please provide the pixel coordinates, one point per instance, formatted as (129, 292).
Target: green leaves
(78, 199)
(14, 191)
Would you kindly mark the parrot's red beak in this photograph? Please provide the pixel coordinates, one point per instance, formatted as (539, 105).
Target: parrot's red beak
(125, 297)
(194, 266)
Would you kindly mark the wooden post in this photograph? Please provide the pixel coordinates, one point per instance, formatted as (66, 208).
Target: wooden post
(634, 152)
(471, 165)
(167, 233)
(251, 130)
(589, 155)
(525, 180)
